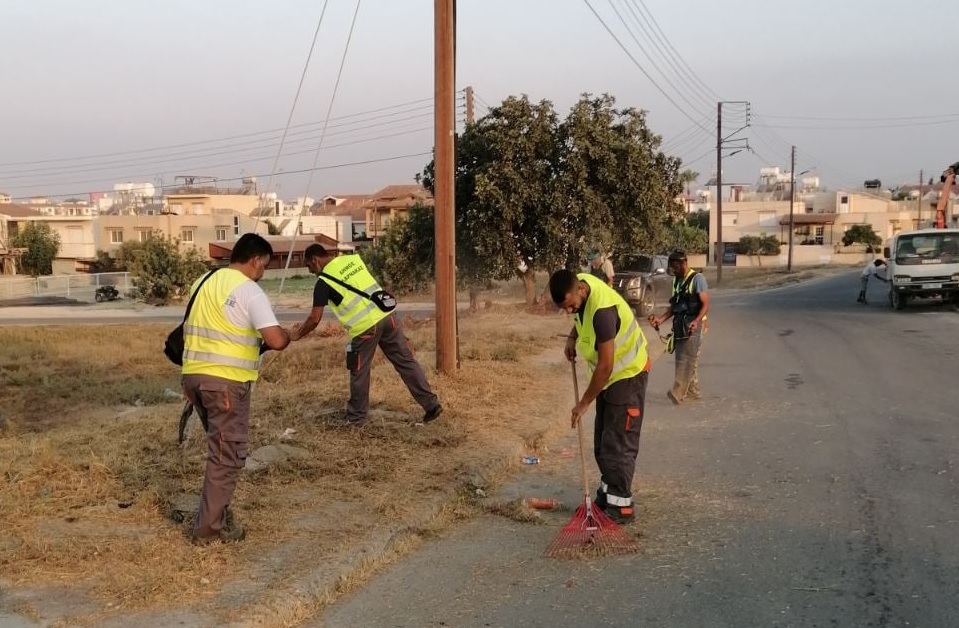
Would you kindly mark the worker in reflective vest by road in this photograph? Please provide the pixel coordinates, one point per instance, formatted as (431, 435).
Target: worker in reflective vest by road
(230, 319)
(608, 338)
(345, 285)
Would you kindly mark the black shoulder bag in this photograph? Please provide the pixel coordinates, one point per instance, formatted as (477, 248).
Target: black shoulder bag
(382, 299)
(173, 348)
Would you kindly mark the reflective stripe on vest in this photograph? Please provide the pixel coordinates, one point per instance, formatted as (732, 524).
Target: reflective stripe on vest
(355, 312)
(212, 344)
(630, 354)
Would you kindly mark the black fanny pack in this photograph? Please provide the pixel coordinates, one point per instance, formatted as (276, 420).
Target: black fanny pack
(382, 299)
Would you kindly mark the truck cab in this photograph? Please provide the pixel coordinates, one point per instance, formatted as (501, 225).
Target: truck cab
(922, 264)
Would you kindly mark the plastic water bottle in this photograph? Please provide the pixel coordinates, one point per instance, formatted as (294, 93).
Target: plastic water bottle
(530, 460)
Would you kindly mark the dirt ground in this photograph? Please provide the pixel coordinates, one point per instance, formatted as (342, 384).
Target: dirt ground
(92, 475)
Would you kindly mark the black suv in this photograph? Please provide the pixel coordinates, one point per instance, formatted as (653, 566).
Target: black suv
(643, 281)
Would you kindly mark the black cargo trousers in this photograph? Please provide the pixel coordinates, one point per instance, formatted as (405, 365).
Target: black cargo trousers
(619, 420)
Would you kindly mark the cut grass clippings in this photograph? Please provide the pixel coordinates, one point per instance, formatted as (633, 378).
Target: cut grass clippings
(90, 468)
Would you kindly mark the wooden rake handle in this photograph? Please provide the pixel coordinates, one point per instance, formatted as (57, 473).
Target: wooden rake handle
(579, 429)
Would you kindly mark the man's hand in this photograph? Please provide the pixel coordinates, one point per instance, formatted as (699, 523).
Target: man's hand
(653, 321)
(295, 333)
(693, 326)
(578, 411)
(570, 349)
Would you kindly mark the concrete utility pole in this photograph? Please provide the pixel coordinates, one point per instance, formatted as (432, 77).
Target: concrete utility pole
(792, 198)
(470, 106)
(444, 212)
(919, 218)
(720, 249)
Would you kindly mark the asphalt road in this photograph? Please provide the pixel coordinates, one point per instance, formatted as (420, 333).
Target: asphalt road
(814, 486)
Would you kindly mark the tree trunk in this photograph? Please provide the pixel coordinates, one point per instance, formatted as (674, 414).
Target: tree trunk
(474, 297)
(529, 282)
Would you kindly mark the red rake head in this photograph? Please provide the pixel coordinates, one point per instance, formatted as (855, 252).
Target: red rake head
(590, 533)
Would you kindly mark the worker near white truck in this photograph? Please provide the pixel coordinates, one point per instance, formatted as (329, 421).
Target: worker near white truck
(876, 268)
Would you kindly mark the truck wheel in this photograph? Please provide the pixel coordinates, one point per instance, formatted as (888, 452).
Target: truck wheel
(897, 299)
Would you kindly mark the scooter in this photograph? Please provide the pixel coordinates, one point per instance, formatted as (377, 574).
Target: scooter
(106, 293)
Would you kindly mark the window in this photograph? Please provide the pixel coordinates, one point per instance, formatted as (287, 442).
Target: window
(176, 208)
(730, 219)
(197, 208)
(221, 234)
(186, 234)
(236, 226)
(843, 199)
(143, 235)
(819, 234)
(767, 219)
(116, 236)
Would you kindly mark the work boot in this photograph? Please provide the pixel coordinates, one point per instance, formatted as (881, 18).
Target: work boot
(433, 413)
(600, 501)
(621, 515)
(231, 532)
(343, 422)
(672, 397)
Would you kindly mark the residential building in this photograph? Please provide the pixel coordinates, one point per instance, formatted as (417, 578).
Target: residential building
(76, 232)
(390, 203)
(351, 206)
(207, 198)
(193, 230)
(5, 198)
(286, 251)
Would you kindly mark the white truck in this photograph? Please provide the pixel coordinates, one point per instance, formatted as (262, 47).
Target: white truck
(923, 264)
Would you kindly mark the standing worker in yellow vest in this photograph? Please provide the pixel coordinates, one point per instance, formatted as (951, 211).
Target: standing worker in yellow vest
(230, 319)
(606, 335)
(688, 308)
(346, 286)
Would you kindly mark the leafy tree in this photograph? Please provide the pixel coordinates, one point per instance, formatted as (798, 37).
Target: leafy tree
(272, 229)
(161, 272)
(103, 263)
(687, 177)
(533, 192)
(689, 238)
(699, 219)
(42, 244)
(759, 245)
(863, 234)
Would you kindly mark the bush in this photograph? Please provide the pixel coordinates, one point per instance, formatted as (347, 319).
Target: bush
(759, 245)
(161, 272)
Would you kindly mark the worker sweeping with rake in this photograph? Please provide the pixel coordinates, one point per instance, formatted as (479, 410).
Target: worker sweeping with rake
(608, 338)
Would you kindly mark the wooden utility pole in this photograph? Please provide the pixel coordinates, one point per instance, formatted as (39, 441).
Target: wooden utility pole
(470, 106)
(444, 212)
(720, 249)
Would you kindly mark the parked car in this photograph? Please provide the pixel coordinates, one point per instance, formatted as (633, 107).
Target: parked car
(643, 281)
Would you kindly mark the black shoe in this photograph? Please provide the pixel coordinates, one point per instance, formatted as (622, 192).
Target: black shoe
(600, 501)
(621, 515)
(433, 413)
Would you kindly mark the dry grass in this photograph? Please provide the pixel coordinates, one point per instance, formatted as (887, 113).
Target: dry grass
(87, 478)
(749, 278)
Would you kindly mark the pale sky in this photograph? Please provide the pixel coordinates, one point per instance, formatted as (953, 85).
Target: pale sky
(106, 91)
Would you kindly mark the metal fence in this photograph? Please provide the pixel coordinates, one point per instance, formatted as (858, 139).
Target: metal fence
(79, 287)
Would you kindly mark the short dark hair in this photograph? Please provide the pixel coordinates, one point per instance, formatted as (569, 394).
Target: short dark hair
(677, 256)
(561, 283)
(315, 250)
(250, 245)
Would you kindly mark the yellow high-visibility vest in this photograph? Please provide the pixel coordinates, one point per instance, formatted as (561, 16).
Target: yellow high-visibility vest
(354, 312)
(630, 357)
(212, 344)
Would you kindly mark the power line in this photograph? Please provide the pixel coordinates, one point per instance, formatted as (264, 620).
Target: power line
(284, 173)
(861, 127)
(640, 67)
(296, 98)
(863, 119)
(239, 147)
(221, 139)
(680, 92)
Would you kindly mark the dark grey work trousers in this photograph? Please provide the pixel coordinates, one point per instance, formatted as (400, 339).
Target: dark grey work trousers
(224, 405)
(387, 335)
(686, 382)
(619, 420)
